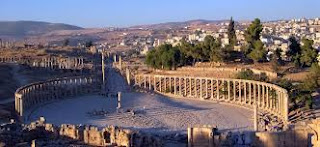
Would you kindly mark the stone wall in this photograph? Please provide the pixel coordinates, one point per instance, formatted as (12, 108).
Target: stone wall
(38, 93)
(299, 135)
(45, 134)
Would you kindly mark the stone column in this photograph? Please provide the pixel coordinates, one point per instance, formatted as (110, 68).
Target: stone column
(229, 95)
(259, 96)
(234, 91)
(154, 83)
(201, 89)
(245, 92)
(255, 117)
(175, 85)
(128, 76)
(190, 86)
(160, 85)
(206, 88)
(119, 100)
(145, 82)
(218, 91)
(114, 58)
(212, 92)
(263, 96)
(240, 95)
(190, 136)
(120, 63)
(250, 93)
(21, 107)
(165, 84)
(268, 101)
(180, 85)
(255, 93)
(103, 74)
(286, 109)
(170, 84)
(149, 82)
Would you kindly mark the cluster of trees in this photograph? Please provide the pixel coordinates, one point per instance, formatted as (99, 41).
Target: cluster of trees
(302, 55)
(165, 57)
(168, 57)
(209, 50)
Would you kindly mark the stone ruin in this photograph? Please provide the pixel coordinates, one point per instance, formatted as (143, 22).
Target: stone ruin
(40, 133)
(302, 134)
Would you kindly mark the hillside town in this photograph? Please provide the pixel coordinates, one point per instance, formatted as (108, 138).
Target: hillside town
(275, 35)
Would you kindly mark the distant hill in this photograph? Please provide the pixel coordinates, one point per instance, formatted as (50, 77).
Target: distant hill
(25, 28)
(174, 25)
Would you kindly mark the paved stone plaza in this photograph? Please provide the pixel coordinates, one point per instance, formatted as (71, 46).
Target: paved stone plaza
(152, 113)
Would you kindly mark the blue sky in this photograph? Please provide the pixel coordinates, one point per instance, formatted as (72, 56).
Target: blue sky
(121, 13)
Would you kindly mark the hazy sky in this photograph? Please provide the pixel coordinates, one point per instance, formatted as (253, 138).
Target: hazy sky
(120, 13)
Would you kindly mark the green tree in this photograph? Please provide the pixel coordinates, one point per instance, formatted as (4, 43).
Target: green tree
(212, 50)
(186, 49)
(258, 53)
(276, 60)
(308, 53)
(294, 51)
(66, 42)
(164, 57)
(311, 83)
(252, 34)
(232, 34)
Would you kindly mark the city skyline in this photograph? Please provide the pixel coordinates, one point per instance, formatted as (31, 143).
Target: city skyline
(100, 13)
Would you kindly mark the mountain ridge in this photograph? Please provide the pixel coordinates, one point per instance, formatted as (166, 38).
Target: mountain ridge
(26, 28)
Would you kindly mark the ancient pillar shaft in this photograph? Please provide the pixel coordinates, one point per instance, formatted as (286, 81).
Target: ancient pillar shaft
(229, 94)
(190, 86)
(240, 96)
(286, 109)
(263, 96)
(245, 92)
(149, 82)
(201, 89)
(160, 85)
(154, 83)
(206, 87)
(268, 100)
(234, 91)
(145, 82)
(218, 90)
(119, 100)
(120, 63)
(180, 86)
(259, 96)
(255, 93)
(250, 93)
(175, 86)
(255, 117)
(212, 92)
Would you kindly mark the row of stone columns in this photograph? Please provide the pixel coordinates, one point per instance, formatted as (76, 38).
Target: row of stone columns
(267, 97)
(50, 63)
(37, 93)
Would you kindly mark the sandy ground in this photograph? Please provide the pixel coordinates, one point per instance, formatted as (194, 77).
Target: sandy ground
(153, 113)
